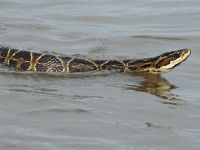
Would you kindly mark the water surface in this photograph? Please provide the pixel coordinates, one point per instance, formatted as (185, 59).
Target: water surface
(101, 110)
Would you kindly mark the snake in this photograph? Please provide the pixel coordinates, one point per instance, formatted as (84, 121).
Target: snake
(23, 60)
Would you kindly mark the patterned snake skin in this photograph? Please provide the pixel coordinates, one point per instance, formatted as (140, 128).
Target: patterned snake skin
(31, 61)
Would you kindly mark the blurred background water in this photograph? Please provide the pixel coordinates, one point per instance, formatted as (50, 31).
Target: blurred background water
(101, 110)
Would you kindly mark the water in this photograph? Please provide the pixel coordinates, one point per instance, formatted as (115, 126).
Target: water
(101, 110)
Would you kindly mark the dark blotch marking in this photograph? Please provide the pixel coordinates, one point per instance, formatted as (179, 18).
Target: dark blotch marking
(167, 57)
(57, 69)
(4, 52)
(113, 65)
(135, 62)
(132, 68)
(146, 66)
(81, 65)
(25, 55)
(133, 65)
(49, 63)
(170, 54)
(45, 59)
(163, 62)
(12, 63)
(65, 59)
(49, 58)
(175, 56)
(12, 51)
(136, 65)
(2, 60)
(35, 56)
(25, 66)
(41, 68)
(99, 62)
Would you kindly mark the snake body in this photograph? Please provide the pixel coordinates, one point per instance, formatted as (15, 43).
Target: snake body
(38, 62)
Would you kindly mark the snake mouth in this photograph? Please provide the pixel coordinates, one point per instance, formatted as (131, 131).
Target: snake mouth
(170, 60)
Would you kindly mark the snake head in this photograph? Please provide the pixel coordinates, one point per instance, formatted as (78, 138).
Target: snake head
(170, 60)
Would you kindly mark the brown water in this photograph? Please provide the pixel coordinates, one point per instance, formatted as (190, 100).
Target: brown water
(101, 110)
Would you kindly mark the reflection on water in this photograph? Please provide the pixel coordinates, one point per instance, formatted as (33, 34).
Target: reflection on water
(156, 85)
(153, 84)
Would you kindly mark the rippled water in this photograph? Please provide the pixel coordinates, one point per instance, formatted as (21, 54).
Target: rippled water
(101, 110)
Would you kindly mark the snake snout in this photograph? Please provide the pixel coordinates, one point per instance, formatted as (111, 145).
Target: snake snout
(169, 60)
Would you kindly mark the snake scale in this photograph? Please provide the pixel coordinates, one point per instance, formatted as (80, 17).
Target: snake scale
(38, 62)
